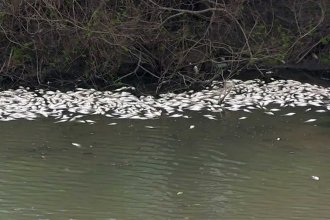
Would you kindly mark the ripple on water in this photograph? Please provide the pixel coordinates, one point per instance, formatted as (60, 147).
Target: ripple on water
(220, 169)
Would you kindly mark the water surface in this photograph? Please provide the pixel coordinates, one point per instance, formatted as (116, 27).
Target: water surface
(257, 168)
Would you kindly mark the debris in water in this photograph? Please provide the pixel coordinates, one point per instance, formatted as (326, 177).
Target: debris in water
(179, 193)
(192, 126)
(113, 123)
(242, 118)
(278, 139)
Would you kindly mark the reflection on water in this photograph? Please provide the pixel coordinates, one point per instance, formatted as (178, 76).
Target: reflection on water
(257, 168)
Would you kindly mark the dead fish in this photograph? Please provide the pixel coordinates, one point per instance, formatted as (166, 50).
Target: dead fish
(90, 121)
(247, 110)
(176, 115)
(212, 117)
(289, 114)
(315, 178)
(76, 144)
(310, 120)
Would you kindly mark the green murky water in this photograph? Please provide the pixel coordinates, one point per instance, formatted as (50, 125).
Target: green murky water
(257, 168)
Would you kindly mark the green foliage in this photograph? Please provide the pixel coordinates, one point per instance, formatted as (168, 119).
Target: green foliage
(23, 54)
(325, 40)
(325, 54)
(285, 38)
(325, 58)
(2, 17)
(259, 33)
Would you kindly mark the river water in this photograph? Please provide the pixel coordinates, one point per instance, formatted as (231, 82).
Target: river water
(263, 167)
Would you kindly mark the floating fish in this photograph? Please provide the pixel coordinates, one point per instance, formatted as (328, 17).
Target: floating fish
(289, 114)
(176, 115)
(310, 120)
(247, 110)
(148, 126)
(315, 178)
(61, 121)
(245, 97)
(212, 117)
(76, 144)
(90, 121)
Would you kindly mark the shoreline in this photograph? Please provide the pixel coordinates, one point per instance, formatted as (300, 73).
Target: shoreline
(317, 77)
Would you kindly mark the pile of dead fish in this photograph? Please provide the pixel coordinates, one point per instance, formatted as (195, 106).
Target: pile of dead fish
(236, 95)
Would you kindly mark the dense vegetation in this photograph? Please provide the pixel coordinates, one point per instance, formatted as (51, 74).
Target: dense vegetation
(102, 43)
